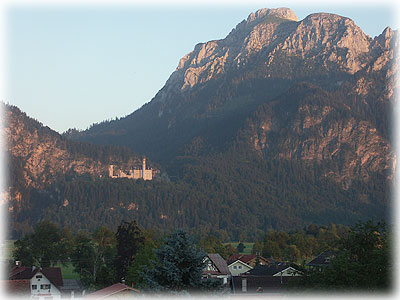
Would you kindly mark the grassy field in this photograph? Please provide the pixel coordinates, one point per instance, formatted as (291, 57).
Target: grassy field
(7, 248)
(67, 271)
(248, 246)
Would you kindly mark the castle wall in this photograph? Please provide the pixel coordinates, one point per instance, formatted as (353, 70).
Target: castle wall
(133, 174)
(148, 174)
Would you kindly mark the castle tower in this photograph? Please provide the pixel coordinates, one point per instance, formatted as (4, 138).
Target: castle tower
(144, 165)
(111, 171)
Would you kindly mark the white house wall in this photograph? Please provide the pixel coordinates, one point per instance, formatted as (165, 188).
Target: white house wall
(238, 268)
(39, 293)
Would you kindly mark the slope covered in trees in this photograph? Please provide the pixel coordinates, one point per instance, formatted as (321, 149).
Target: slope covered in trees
(232, 199)
(270, 134)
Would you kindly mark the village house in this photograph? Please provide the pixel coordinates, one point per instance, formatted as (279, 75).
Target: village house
(216, 267)
(273, 278)
(241, 263)
(238, 267)
(322, 260)
(276, 269)
(42, 283)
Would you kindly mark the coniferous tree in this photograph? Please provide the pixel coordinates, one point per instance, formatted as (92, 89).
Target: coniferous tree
(179, 267)
(129, 237)
(240, 247)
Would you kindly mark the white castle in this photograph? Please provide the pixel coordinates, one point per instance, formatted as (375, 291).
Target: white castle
(143, 173)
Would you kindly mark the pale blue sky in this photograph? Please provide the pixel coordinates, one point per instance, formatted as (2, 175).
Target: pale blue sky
(73, 66)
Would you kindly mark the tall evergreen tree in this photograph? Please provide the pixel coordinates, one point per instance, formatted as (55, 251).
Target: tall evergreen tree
(129, 238)
(179, 267)
(240, 247)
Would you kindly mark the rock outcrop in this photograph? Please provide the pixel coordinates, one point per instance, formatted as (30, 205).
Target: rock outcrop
(44, 155)
(335, 42)
(222, 83)
(319, 128)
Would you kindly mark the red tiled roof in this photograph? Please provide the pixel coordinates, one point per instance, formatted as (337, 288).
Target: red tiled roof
(52, 274)
(111, 290)
(233, 258)
(17, 287)
(247, 257)
(242, 257)
(21, 273)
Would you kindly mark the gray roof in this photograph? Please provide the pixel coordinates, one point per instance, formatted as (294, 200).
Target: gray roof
(219, 263)
(323, 259)
(270, 270)
(72, 285)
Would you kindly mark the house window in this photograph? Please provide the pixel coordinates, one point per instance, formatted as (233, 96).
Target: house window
(39, 276)
(239, 267)
(234, 267)
(34, 287)
(45, 286)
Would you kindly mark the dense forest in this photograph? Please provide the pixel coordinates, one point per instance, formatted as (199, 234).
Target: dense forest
(235, 200)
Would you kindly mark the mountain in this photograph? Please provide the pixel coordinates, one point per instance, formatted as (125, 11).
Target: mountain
(281, 124)
(220, 85)
(39, 157)
(44, 156)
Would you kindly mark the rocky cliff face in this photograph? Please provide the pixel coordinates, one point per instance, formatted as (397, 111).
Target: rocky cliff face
(40, 152)
(319, 128)
(43, 156)
(333, 42)
(217, 57)
(223, 83)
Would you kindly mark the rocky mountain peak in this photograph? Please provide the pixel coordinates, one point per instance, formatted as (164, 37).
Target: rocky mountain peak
(334, 41)
(283, 12)
(385, 38)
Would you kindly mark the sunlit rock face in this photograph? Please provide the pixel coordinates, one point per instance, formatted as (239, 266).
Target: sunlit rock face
(227, 82)
(335, 42)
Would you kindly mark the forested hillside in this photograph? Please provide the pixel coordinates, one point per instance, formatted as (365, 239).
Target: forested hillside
(231, 198)
(281, 124)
